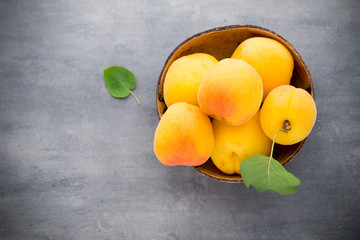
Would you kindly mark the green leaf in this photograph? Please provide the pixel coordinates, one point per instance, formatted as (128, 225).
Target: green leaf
(120, 81)
(264, 174)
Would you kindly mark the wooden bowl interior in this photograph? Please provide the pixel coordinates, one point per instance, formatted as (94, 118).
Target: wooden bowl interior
(221, 43)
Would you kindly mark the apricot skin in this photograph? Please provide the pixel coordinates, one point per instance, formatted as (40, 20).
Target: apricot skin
(231, 91)
(292, 104)
(270, 58)
(234, 144)
(184, 136)
(184, 76)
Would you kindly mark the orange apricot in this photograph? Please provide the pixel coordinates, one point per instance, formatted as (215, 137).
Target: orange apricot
(296, 106)
(272, 60)
(184, 76)
(233, 144)
(184, 136)
(231, 91)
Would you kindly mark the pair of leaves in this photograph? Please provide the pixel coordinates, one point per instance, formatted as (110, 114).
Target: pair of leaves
(264, 174)
(119, 82)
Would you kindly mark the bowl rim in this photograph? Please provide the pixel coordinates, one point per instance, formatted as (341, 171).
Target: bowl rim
(224, 28)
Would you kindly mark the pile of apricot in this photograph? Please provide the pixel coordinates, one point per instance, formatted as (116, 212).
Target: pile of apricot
(231, 109)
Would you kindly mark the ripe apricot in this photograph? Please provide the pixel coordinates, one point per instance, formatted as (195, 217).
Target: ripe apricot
(233, 144)
(270, 58)
(183, 78)
(296, 106)
(231, 91)
(184, 136)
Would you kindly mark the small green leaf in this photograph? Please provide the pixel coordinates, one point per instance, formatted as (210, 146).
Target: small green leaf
(264, 174)
(120, 81)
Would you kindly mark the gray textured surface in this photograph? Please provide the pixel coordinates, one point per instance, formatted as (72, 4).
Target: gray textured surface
(76, 163)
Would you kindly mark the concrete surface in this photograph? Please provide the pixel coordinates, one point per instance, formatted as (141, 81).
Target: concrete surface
(76, 163)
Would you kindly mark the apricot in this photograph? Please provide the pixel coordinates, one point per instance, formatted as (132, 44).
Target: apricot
(231, 91)
(183, 78)
(270, 58)
(233, 144)
(296, 106)
(184, 136)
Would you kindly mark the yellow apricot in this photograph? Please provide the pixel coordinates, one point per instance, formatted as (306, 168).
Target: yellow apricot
(270, 58)
(288, 103)
(183, 78)
(234, 144)
(184, 136)
(231, 91)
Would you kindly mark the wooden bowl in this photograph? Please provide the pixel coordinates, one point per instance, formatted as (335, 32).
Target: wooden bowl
(221, 42)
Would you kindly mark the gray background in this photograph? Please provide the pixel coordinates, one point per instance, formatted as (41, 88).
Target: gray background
(76, 163)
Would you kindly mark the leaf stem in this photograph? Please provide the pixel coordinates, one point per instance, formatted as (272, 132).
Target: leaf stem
(271, 154)
(285, 128)
(138, 101)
